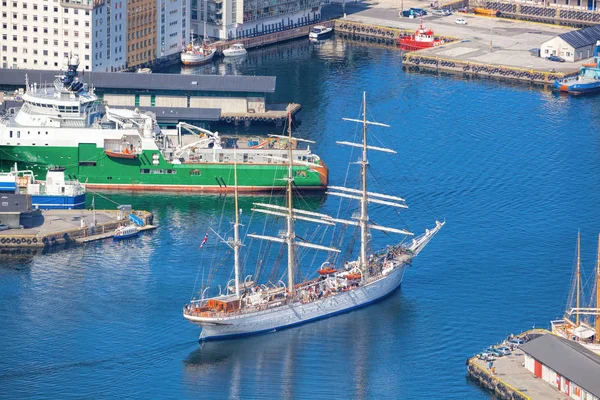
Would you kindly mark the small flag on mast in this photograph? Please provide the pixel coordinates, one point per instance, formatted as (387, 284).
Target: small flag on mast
(203, 240)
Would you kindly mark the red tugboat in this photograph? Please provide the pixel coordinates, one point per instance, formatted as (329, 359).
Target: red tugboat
(422, 39)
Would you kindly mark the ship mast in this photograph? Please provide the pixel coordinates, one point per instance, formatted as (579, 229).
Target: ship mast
(365, 197)
(236, 230)
(578, 277)
(598, 293)
(290, 235)
(289, 212)
(364, 210)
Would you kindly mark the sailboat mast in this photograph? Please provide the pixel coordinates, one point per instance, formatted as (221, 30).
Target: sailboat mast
(364, 216)
(578, 277)
(236, 230)
(290, 214)
(598, 293)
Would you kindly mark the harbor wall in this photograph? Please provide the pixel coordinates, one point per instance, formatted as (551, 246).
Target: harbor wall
(559, 14)
(493, 383)
(270, 38)
(387, 34)
(415, 62)
(9, 241)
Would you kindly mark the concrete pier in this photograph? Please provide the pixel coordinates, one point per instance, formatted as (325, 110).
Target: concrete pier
(510, 379)
(65, 226)
(487, 47)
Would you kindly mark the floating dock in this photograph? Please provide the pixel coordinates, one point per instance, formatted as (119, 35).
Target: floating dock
(68, 226)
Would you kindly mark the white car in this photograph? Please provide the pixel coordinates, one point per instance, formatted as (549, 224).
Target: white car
(460, 21)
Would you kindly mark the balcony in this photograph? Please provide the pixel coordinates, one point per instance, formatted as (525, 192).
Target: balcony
(84, 4)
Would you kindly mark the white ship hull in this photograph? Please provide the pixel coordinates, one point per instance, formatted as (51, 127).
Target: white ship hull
(298, 313)
(190, 58)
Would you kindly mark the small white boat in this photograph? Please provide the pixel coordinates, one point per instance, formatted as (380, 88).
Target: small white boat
(320, 32)
(126, 232)
(234, 51)
(144, 71)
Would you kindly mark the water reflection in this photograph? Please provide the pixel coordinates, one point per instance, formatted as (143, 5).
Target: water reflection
(341, 346)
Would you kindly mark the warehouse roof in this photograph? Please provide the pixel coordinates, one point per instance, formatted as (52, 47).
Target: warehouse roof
(582, 37)
(147, 82)
(568, 359)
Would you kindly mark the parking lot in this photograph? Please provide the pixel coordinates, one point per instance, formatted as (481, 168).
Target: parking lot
(485, 40)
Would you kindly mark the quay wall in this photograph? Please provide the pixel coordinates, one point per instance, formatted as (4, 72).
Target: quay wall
(384, 33)
(270, 38)
(551, 13)
(10, 241)
(493, 383)
(414, 62)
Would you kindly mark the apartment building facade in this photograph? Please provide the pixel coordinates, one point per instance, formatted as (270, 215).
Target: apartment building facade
(40, 34)
(228, 19)
(107, 35)
(173, 26)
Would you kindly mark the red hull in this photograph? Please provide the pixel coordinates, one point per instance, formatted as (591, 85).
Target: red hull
(410, 44)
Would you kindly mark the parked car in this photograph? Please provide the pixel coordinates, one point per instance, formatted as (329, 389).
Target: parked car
(504, 350)
(460, 21)
(555, 58)
(418, 11)
(446, 12)
(484, 355)
(515, 342)
(405, 13)
(438, 13)
(3, 227)
(493, 351)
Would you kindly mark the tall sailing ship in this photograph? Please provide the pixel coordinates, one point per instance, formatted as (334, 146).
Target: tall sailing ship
(63, 125)
(249, 308)
(581, 321)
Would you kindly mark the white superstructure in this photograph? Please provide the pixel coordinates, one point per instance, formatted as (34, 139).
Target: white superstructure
(39, 34)
(247, 309)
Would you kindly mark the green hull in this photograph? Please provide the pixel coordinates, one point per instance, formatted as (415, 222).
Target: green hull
(92, 166)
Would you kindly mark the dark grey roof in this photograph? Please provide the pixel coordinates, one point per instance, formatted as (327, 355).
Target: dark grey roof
(583, 37)
(568, 359)
(148, 82)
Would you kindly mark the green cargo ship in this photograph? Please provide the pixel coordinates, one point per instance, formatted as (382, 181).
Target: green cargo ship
(121, 149)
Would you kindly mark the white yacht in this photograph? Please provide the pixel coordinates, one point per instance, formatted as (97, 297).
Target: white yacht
(320, 32)
(235, 50)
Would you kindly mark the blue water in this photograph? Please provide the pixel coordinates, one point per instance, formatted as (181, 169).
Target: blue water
(513, 170)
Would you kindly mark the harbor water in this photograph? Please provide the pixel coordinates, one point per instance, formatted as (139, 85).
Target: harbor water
(513, 170)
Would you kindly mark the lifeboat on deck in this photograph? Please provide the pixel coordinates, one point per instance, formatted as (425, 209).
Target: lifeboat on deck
(327, 271)
(126, 154)
(353, 276)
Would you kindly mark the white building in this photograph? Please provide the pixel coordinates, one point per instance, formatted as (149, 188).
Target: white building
(228, 19)
(39, 34)
(173, 26)
(572, 46)
(564, 364)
